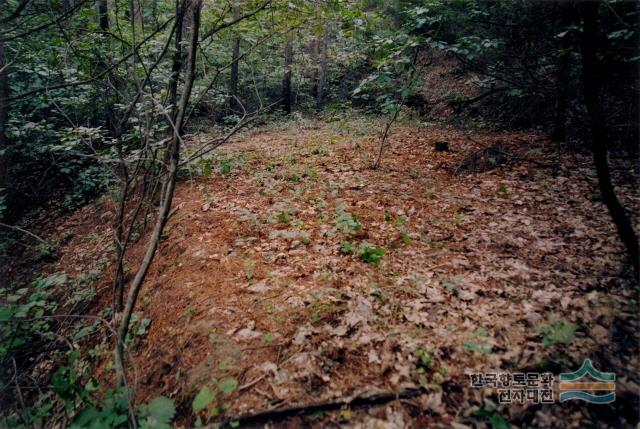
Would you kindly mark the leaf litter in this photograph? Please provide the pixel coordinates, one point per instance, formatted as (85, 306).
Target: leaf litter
(479, 275)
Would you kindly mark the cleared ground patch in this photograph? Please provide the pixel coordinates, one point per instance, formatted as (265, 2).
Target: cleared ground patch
(296, 274)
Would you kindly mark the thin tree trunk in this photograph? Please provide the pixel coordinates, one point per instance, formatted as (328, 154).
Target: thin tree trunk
(103, 13)
(4, 116)
(314, 48)
(177, 58)
(286, 80)
(322, 72)
(383, 139)
(169, 187)
(559, 133)
(591, 77)
(154, 13)
(235, 55)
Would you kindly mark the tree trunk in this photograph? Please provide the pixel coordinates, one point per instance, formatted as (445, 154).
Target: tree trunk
(103, 13)
(4, 116)
(154, 13)
(559, 133)
(286, 80)
(591, 78)
(322, 71)
(314, 48)
(235, 55)
(177, 59)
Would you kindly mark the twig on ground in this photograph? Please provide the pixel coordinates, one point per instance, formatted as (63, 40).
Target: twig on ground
(358, 401)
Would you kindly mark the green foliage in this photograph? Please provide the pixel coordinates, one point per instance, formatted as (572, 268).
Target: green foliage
(371, 254)
(479, 343)
(367, 252)
(138, 328)
(425, 356)
(34, 301)
(348, 247)
(495, 419)
(283, 217)
(347, 223)
(202, 400)
(157, 414)
(557, 332)
(112, 411)
(228, 385)
(205, 399)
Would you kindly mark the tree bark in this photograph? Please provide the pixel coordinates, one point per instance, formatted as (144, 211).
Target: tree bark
(235, 55)
(591, 78)
(4, 117)
(286, 80)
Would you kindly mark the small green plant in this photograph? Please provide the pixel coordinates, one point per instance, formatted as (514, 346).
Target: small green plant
(558, 332)
(426, 358)
(371, 254)
(401, 221)
(472, 346)
(206, 166)
(266, 338)
(205, 400)
(283, 217)
(478, 345)
(346, 223)
(226, 165)
(367, 252)
(348, 247)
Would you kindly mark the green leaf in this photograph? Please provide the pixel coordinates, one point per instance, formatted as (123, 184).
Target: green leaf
(498, 422)
(203, 399)
(371, 254)
(228, 385)
(162, 409)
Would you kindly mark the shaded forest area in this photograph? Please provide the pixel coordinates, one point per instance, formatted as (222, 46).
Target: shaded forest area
(319, 213)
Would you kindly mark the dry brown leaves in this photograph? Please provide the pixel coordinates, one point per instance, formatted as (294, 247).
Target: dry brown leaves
(251, 283)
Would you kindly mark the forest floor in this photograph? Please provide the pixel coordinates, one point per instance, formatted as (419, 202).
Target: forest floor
(270, 273)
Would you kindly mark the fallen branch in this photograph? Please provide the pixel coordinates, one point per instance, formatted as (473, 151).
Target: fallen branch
(358, 401)
(24, 231)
